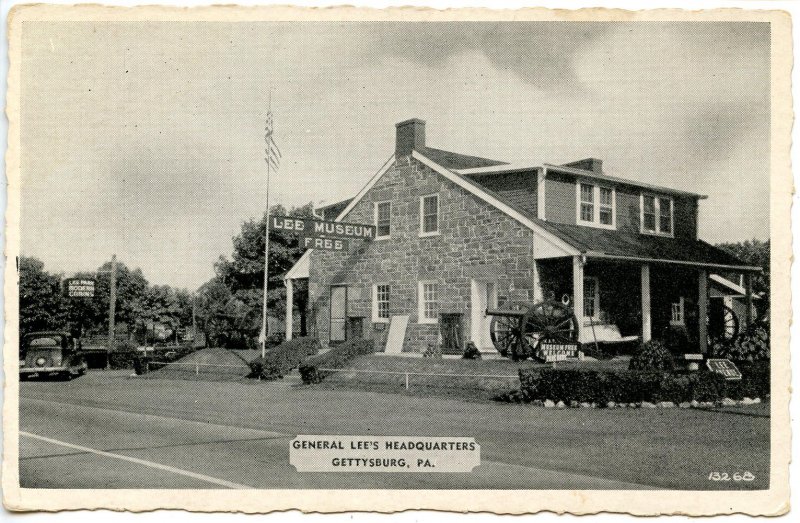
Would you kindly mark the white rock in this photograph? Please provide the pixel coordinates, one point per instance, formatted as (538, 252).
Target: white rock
(757, 400)
(727, 402)
(611, 405)
(537, 403)
(666, 405)
(574, 404)
(549, 404)
(746, 401)
(593, 405)
(707, 404)
(694, 404)
(685, 405)
(585, 405)
(622, 405)
(648, 405)
(561, 405)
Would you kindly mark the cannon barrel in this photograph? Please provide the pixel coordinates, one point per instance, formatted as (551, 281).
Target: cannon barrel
(509, 313)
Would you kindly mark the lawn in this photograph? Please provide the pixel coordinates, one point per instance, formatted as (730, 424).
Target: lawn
(472, 380)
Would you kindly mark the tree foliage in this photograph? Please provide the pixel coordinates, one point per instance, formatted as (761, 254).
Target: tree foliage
(755, 253)
(236, 316)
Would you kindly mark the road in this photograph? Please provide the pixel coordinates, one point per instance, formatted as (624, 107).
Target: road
(107, 430)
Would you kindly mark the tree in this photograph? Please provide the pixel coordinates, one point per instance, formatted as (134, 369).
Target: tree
(243, 274)
(42, 305)
(131, 288)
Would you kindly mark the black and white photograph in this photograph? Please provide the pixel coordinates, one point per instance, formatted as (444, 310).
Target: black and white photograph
(304, 252)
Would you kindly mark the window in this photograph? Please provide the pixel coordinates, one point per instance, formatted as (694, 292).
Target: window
(596, 206)
(429, 215)
(591, 298)
(606, 206)
(587, 202)
(383, 219)
(677, 314)
(657, 215)
(380, 303)
(428, 307)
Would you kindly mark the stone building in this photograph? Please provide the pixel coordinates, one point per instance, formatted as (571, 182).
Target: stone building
(457, 235)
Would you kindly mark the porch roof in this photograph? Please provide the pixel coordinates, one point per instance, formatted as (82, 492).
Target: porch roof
(615, 244)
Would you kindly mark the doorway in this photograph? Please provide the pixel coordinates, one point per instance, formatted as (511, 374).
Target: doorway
(484, 296)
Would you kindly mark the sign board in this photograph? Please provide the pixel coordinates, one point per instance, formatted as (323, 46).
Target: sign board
(79, 287)
(312, 228)
(556, 351)
(724, 367)
(326, 244)
(693, 357)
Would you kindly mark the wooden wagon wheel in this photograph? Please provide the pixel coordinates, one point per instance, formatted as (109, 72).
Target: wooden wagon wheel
(552, 321)
(723, 324)
(504, 330)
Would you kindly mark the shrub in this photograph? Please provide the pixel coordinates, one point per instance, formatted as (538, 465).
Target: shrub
(755, 382)
(750, 345)
(471, 352)
(335, 358)
(652, 356)
(122, 359)
(280, 360)
(622, 386)
(433, 351)
(676, 339)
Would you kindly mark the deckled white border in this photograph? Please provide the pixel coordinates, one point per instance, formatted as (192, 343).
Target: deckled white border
(765, 502)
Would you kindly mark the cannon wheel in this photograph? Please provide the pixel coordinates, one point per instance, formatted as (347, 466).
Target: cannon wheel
(548, 320)
(504, 330)
(722, 324)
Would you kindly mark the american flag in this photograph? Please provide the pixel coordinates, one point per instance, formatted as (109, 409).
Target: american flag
(273, 154)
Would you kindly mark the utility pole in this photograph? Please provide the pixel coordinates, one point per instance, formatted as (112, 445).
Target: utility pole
(112, 303)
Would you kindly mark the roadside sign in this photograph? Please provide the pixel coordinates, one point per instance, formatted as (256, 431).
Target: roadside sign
(79, 287)
(326, 244)
(555, 351)
(321, 229)
(724, 367)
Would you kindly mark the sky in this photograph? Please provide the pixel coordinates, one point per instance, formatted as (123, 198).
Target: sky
(146, 139)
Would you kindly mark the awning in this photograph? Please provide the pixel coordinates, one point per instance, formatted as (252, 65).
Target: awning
(301, 268)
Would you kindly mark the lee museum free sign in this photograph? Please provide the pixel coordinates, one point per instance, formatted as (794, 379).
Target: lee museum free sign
(320, 234)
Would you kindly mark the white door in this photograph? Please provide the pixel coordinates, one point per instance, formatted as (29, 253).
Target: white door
(484, 296)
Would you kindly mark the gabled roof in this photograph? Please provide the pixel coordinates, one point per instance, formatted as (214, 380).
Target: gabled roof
(570, 239)
(450, 160)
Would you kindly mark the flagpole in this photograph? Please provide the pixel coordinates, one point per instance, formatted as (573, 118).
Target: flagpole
(266, 236)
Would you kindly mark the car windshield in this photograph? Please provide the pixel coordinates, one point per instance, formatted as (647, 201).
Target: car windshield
(44, 342)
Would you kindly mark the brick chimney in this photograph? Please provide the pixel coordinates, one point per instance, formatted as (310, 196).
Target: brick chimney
(589, 164)
(410, 136)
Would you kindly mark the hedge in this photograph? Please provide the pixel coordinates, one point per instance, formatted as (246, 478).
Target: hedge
(633, 386)
(280, 360)
(335, 358)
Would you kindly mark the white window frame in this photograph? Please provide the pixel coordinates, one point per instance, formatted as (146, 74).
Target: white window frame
(421, 302)
(422, 232)
(596, 302)
(680, 320)
(657, 201)
(375, 212)
(595, 222)
(375, 317)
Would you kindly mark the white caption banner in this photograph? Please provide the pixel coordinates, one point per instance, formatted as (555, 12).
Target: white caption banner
(383, 454)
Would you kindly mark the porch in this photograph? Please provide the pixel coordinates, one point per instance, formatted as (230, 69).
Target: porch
(617, 300)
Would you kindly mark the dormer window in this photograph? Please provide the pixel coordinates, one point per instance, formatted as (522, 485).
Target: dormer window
(596, 206)
(657, 215)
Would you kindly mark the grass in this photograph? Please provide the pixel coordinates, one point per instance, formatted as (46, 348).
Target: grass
(470, 379)
(234, 368)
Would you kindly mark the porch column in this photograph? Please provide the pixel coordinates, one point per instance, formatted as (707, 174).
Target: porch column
(702, 310)
(538, 295)
(748, 293)
(289, 306)
(577, 291)
(647, 334)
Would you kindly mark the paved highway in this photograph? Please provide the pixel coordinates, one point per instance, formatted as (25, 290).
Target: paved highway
(107, 430)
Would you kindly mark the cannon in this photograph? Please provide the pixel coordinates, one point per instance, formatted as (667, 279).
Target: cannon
(518, 329)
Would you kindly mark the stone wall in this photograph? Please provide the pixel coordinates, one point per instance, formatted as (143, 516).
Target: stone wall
(476, 241)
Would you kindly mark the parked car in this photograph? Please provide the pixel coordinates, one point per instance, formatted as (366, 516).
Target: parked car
(50, 354)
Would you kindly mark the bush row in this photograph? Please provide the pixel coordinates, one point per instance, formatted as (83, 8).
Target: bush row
(636, 386)
(280, 360)
(335, 358)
